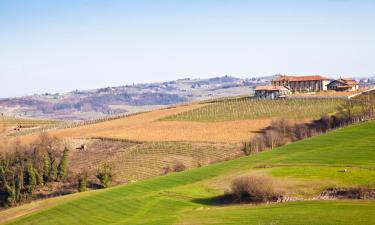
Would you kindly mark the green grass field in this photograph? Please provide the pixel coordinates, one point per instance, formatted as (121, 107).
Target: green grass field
(302, 168)
(246, 108)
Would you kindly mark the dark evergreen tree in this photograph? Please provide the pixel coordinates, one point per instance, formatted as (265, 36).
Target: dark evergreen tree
(61, 169)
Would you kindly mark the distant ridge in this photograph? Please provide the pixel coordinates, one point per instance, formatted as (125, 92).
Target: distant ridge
(96, 103)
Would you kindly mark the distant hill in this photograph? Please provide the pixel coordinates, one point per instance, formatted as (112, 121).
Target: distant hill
(92, 104)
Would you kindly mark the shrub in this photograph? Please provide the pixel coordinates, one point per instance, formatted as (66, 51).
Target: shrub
(179, 167)
(255, 188)
(166, 170)
(82, 182)
(104, 174)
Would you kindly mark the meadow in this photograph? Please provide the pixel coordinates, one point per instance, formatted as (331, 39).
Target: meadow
(303, 168)
(251, 109)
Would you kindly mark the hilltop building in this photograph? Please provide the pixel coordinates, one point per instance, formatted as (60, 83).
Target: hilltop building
(302, 83)
(343, 84)
(271, 92)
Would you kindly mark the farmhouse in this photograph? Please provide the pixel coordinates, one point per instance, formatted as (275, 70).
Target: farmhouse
(343, 84)
(271, 92)
(302, 83)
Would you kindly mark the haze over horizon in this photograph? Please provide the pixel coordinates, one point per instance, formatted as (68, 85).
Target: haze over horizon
(59, 46)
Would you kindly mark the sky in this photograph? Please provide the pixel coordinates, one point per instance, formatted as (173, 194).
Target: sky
(58, 46)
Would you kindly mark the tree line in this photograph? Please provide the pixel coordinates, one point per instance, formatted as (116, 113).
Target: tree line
(23, 170)
(283, 131)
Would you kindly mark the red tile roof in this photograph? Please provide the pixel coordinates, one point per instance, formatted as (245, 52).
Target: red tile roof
(271, 88)
(349, 81)
(346, 82)
(300, 78)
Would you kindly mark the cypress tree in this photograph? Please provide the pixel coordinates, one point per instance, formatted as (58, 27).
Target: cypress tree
(10, 195)
(31, 180)
(61, 169)
(17, 187)
(39, 178)
(52, 176)
(46, 170)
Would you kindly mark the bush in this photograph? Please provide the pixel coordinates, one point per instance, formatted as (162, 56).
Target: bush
(179, 167)
(82, 182)
(255, 188)
(104, 174)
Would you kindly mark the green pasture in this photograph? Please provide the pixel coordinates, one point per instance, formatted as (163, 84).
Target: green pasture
(302, 168)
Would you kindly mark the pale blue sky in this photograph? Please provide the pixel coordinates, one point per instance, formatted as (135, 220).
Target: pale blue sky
(55, 46)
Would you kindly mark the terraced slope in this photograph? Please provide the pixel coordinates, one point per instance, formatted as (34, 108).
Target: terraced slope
(302, 168)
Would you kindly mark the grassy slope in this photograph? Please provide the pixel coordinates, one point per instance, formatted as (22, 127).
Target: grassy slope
(185, 198)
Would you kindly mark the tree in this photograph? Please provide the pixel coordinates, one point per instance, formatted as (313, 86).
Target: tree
(4, 167)
(82, 182)
(53, 173)
(10, 195)
(104, 174)
(346, 109)
(50, 146)
(273, 138)
(22, 170)
(46, 170)
(30, 179)
(18, 186)
(39, 178)
(61, 169)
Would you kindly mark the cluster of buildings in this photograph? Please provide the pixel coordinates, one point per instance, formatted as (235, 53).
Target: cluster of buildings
(284, 85)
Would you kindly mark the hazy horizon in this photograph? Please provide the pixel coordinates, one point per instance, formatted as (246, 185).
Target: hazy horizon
(52, 46)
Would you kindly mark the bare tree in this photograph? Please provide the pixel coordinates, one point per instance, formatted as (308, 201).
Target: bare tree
(273, 139)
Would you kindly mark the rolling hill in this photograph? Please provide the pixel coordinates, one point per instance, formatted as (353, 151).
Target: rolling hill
(302, 169)
(97, 103)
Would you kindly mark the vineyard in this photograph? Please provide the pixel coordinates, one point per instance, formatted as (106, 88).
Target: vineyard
(153, 159)
(136, 161)
(147, 127)
(251, 109)
(8, 124)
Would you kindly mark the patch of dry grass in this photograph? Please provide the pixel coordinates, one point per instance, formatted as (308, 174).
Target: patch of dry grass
(147, 127)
